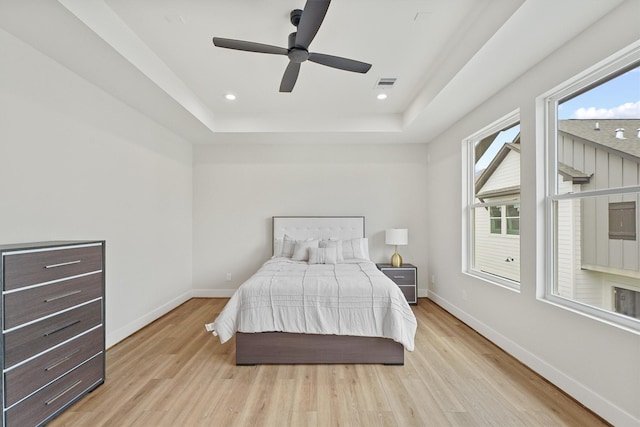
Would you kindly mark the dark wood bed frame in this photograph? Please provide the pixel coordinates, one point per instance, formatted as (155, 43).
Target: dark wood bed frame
(287, 348)
(284, 348)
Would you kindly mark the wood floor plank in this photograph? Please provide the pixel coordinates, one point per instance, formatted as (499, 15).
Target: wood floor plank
(174, 373)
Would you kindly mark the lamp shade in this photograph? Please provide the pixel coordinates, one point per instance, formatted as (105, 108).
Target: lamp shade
(396, 236)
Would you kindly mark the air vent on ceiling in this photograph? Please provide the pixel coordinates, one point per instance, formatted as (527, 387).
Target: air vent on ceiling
(386, 82)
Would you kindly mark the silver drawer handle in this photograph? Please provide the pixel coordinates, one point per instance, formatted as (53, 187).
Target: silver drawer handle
(398, 277)
(59, 395)
(46, 334)
(57, 297)
(62, 264)
(61, 361)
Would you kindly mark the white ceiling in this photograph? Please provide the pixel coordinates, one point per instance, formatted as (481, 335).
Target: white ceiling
(448, 56)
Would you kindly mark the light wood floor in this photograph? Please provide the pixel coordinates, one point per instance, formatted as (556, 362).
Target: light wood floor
(174, 373)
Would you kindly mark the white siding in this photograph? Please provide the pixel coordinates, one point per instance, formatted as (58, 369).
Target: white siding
(566, 243)
(492, 250)
(506, 175)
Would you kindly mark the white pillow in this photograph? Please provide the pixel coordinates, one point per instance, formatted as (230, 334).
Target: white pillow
(301, 250)
(333, 243)
(288, 243)
(322, 255)
(356, 248)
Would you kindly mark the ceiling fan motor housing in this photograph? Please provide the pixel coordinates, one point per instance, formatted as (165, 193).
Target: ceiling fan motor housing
(296, 53)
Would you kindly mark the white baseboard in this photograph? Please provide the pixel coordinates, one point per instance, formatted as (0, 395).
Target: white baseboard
(575, 389)
(115, 337)
(212, 293)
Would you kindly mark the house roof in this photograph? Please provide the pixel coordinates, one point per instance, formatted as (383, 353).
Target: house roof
(603, 132)
(576, 176)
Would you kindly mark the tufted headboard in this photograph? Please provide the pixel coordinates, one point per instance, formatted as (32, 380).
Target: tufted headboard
(318, 227)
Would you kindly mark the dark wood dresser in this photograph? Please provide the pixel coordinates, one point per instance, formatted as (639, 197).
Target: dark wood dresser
(53, 341)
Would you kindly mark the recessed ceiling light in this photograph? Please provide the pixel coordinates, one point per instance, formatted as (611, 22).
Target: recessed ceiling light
(230, 97)
(382, 96)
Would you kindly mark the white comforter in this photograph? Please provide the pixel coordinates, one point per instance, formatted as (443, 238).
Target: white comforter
(351, 298)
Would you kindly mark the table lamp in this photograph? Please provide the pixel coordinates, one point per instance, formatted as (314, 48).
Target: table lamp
(396, 236)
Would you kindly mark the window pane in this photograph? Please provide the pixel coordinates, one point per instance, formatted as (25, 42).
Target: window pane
(589, 264)
(513, 226)
(494, 253)
(513, 210)
(496, 219)
(487, 149)
(601, 121)
(494, 172)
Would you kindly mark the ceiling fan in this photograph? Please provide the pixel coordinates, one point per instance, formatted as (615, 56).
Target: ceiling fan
(308, 22)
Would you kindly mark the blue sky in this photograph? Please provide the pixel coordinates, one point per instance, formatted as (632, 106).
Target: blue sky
(618, 98)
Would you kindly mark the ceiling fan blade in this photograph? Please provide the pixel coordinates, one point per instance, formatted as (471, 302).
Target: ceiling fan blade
(312, 17)
(290, 76)
(249, 46)
(340, 63)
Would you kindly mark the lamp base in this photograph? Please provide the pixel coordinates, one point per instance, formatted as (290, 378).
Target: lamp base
(396, 260)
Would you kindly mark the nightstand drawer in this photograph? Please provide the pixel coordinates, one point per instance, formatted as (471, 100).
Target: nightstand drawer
(409, 293)
(31, 268)
(55, 396)
(402, 277)
(33, 303)
(21, 381)
(25, 342)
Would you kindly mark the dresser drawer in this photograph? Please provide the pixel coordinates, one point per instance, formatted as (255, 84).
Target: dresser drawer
(30, 340)
(24, 379)
(54, 397)
(32, 303)
(402, 277)
(31, 268)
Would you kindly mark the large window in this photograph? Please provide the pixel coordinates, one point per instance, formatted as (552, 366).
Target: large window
(593, 161)
(493, 204)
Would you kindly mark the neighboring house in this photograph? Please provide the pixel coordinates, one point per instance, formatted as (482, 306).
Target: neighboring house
(497, 231)
(597, 242)
(604, 247)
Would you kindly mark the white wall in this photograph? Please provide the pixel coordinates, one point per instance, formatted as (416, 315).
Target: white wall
(596, 363)
(77, 164)
(237, 189)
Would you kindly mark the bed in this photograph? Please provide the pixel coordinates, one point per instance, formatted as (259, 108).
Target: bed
(319, 299)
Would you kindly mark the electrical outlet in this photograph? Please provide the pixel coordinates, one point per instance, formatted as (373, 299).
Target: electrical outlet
(464, 295)
(228, 277)
(433, 279)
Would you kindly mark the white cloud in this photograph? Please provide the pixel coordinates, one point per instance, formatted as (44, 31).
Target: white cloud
(629, 110)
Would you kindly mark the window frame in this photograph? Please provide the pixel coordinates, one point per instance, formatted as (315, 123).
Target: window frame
(547, 122)
(469, 205)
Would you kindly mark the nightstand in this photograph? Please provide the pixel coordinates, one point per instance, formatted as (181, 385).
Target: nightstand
(406, 277)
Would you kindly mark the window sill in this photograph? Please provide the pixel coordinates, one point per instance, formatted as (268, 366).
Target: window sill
(628, 324)
(505, 283)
